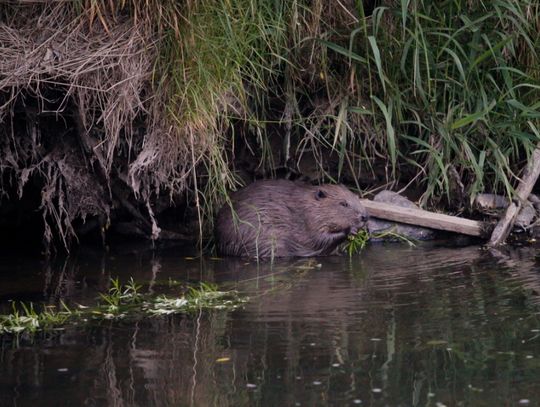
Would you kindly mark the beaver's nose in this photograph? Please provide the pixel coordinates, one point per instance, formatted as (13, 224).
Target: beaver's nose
(364, 217)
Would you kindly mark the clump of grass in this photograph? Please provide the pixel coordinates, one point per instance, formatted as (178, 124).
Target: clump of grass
(215, 65)
(119, 294)
(206, 296)
(126, 300)
(28, 319)
(356, 243)
(121, 301)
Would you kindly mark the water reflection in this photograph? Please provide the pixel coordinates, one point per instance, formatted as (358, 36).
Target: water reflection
(396, 326)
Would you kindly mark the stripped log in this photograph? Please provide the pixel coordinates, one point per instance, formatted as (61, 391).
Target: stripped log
(524, 189)
(420, 217)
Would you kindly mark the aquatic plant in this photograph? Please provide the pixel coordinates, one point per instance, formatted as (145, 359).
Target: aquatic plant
(122, 294)
(356, 243)
(126, 300)
(205, 296)
(121, 301)
(27, 319)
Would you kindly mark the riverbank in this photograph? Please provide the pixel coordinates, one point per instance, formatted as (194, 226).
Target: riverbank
(132, 120)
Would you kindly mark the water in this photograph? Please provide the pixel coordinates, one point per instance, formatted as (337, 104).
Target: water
(395, 326)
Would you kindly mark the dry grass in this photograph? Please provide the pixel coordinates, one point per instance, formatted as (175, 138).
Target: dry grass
(151, 89)
(102, 75)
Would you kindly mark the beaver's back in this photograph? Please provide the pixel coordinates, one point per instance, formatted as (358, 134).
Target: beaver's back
(279, 218)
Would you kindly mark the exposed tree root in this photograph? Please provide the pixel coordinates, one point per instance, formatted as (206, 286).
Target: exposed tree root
(95, 84)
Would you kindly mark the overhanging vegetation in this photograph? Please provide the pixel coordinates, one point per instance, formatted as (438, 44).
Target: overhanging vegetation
(117, 111)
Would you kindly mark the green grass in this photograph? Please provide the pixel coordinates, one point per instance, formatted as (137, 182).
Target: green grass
(446, 90)
(121, 301)
(443, 93)
(119, 295)
(213, 72)
(356, 243)
(25, 318)
(450, 88)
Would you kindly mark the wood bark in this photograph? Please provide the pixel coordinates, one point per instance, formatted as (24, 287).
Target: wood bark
(420, 217)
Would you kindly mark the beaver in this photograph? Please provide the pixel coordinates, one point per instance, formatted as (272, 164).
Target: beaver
(281, 218)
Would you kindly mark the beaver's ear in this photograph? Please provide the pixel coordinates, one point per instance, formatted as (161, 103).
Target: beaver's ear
(320, 194)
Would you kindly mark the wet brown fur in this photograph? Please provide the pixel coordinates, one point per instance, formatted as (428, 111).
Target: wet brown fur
(280, 218)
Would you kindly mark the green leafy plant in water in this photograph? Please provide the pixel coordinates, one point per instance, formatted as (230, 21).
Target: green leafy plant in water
(121, 301)
(356, 243)
(389, 233)
(27, 319)
(119, 294)
(132, 290)
(205, 296)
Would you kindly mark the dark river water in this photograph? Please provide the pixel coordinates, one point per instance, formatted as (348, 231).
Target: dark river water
(393, 326)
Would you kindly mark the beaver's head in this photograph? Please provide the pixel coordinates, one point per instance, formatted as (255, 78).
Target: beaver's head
(334, 213)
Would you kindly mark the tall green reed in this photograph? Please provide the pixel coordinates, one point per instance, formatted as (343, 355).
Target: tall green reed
(451, 88)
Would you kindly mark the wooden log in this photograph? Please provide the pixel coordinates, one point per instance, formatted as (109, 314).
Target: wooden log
(420, 217)
(524, 189)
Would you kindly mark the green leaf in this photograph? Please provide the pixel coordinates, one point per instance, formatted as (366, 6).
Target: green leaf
(359, 110)
(490, 52)
(472, 117)
(344, 51)
(390, 133)
(377, 57)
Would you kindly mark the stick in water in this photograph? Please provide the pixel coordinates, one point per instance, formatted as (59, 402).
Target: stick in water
(530, 175)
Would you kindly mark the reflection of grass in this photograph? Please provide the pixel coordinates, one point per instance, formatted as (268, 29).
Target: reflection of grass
(356, 243)
(121, 301)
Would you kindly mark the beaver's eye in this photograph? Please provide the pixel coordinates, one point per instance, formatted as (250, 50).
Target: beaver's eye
(344, 204)
(320, 194)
